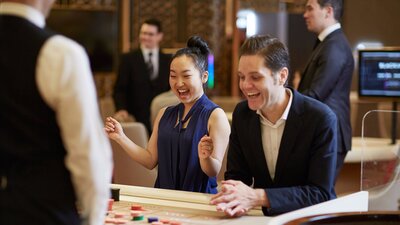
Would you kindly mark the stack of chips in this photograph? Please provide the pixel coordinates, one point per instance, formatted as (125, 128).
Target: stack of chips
(110, 204)
(136, 212)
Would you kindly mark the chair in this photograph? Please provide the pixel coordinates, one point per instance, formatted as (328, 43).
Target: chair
(107, 107)
(126, 170)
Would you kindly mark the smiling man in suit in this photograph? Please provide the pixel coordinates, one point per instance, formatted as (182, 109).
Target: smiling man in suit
(289, 155)
(142, 75)
(327, 77)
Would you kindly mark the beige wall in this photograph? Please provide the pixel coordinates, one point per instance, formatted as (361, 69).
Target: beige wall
(371, 20)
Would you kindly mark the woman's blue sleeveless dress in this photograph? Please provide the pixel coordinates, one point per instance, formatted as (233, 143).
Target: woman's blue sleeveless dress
(178, 161)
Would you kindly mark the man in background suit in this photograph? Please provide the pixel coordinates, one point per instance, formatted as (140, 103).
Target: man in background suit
(289, 155)
(55, 158)
(327, 77)
(143, 74)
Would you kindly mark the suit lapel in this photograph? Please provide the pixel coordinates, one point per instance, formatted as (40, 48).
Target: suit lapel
(314, 54)
(141, 66)
(306, 76)
(316, 51)
(292, 130)
(140, 57)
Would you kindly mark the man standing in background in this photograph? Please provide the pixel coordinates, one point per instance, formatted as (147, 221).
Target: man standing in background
(53, 151)
(143, 74)
(327, 77)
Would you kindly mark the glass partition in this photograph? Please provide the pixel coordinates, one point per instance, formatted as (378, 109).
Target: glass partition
(380, 160)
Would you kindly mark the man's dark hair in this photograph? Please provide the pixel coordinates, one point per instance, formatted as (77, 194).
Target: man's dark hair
(154, 22)
(337, 6)
(274, 52)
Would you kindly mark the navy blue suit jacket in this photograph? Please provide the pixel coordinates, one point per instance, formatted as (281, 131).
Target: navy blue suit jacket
(306, 163)
(134, 90)
(327, 78)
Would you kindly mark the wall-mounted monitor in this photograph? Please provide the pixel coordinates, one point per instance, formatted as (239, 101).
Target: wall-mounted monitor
(379, 74)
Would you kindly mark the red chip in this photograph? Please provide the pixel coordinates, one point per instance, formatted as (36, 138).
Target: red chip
(165, 221)
(110, 204)
(136, 207)
(120, 221)
(110, 220)
(119, 215)
(136, 213)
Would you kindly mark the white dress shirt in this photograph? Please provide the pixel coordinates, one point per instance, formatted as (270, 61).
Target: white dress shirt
(271, 135)
(328, 30)
(66, 84)
(154, 58)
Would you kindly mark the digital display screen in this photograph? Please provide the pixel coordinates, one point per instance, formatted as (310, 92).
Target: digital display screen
(379, 73)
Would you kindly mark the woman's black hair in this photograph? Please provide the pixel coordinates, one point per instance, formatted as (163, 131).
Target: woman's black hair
(198, 50)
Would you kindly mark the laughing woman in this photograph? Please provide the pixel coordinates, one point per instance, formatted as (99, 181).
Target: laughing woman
(189, 140)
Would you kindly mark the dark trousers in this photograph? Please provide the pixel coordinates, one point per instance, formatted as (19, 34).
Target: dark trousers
(339, 163)
(37, 195)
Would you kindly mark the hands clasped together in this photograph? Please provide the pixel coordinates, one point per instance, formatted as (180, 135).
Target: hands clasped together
(236, 198)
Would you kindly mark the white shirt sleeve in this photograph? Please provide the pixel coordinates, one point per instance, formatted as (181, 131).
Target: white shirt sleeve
(66, 84)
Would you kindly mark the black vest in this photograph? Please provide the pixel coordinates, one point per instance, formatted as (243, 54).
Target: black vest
(31, 149)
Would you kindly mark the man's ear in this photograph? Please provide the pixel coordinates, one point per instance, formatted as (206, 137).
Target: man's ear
(329, 13)
(283, 75)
